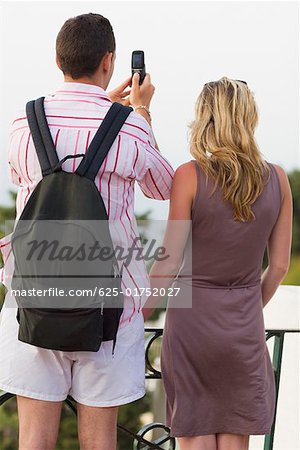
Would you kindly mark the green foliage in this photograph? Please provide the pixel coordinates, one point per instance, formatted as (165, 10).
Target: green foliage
(7, 213)
(294, 179)
(143, 217)
(9, 425)
(67, 437)
(129, 416)
(2, 295)
(293, 275)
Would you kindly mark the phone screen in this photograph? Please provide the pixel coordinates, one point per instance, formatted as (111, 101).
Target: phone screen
(137, 60)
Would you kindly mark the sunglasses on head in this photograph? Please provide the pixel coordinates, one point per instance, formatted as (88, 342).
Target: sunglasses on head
(241, 81)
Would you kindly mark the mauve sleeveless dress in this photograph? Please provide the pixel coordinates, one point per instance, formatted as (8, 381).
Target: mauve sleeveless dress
(215, 363)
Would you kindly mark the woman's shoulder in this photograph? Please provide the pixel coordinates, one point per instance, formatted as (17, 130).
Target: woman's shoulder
(186, 173)
(282, 178)
(187, 167)
(185, 178)
(280, 170)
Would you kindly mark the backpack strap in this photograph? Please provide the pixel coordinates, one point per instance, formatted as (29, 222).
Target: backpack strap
(98, 149)
(34, 109)
(103, 140)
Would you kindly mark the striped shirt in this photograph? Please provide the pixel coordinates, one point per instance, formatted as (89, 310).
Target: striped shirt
(74, 113)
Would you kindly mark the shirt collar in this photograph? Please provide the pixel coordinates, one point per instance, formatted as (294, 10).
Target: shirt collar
(82, 89)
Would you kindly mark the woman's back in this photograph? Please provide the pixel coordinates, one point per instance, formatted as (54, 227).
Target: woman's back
(226, 251)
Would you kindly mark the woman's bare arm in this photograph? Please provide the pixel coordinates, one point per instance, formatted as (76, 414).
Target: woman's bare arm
(279, 244)
(177, 231)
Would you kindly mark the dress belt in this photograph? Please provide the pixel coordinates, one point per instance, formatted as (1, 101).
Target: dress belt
(214, 286)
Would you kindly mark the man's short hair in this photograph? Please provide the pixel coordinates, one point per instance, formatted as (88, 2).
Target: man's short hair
(82, 42)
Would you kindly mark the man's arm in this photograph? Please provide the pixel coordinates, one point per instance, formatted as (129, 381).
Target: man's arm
(153, 171)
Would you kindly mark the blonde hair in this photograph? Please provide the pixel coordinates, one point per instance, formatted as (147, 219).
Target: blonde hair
(222, 141)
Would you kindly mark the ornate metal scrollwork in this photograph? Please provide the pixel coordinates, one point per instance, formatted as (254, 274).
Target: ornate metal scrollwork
(5, 396)
(162, 440)
(151, 371)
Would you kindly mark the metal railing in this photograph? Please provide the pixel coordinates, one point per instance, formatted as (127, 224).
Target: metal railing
(168, 442)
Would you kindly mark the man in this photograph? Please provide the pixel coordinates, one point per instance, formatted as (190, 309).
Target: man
(100, 381)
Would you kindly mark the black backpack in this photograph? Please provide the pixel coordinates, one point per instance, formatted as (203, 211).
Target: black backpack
(66, 213)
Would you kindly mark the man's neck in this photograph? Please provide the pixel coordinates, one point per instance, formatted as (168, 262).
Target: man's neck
(86, 80)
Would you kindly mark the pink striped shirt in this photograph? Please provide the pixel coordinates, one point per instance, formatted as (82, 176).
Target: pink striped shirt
(74, 113)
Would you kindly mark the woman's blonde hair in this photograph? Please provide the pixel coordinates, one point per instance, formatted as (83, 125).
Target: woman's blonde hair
(222, 141)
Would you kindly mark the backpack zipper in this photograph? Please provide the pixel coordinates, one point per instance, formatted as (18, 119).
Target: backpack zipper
(69, 311)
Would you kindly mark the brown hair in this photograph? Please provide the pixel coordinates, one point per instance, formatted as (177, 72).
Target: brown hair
(82, 42)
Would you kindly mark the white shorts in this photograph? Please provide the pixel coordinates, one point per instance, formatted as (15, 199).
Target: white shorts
(91, 378)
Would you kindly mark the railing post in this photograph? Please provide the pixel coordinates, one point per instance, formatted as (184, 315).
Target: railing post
(276, 361)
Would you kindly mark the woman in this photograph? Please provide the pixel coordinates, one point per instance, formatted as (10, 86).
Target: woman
(216, 368)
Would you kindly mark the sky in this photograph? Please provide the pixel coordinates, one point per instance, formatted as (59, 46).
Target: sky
(186, 44)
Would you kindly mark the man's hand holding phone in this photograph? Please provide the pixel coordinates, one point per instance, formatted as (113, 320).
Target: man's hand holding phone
(142, 90)
(136, 96)
(140, 98)
(141, 94)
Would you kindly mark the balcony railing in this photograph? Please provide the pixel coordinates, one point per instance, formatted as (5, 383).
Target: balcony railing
(166, 442)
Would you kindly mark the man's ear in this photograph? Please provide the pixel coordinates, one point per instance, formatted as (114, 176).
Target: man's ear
(107, 61)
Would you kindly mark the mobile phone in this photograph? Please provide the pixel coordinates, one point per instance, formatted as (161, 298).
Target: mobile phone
(138, 64)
